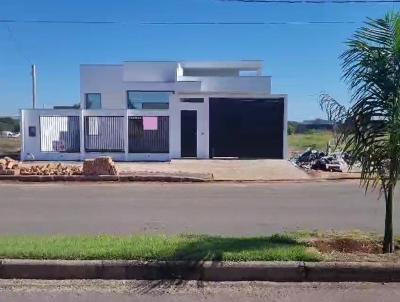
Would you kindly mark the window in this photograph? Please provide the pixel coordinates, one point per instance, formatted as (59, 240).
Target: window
(32, 131)
(93, 100)
(148, 99)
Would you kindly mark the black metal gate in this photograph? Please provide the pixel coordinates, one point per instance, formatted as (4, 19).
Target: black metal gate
(153, 139)
(59, 134)
(104, 133)
(246, 128)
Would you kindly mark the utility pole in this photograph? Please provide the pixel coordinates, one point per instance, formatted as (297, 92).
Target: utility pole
(33, 86)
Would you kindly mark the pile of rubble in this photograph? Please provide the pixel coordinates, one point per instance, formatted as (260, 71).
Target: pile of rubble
(51, 169)
(8, 166)
(100, 166)
(91, 167)
(317, 160)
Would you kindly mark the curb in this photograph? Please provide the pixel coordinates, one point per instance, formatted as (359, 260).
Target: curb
(103, 178)
(205, 271)
(290, 180)
(156, 178)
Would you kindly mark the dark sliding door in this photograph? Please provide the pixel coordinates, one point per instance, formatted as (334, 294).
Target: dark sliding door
(188, 133)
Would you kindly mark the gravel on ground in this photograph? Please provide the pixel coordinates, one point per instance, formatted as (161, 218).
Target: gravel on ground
(99, 291)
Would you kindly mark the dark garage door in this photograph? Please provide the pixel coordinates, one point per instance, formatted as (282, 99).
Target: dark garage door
(246, 128)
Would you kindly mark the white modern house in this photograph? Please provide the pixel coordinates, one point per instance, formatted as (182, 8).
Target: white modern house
(139, 111)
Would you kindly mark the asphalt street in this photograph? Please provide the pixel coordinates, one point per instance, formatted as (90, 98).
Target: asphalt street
(218, 208)
(164, 291)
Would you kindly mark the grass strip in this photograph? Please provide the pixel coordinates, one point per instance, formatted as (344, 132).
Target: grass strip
(316, 140)
(157, 247)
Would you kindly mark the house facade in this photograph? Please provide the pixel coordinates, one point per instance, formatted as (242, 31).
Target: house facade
(157, 111)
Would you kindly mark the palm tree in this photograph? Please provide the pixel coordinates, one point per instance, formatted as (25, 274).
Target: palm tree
(370, 128)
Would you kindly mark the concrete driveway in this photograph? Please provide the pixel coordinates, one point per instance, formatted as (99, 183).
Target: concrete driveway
(227, 209)
(263, 169)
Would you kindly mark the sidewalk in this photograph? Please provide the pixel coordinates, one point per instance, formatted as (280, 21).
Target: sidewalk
(262, 170)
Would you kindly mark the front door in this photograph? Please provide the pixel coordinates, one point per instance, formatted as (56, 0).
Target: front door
(188, 133)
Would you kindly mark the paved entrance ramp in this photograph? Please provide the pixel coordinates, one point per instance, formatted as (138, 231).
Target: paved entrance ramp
(232, 170)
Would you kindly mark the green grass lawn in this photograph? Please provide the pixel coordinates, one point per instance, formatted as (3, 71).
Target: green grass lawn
(157, 247)
(315, 140)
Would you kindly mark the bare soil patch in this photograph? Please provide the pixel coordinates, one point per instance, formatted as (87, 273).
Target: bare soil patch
(352, 247)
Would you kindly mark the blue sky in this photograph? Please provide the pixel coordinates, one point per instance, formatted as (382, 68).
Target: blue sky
(302, 59)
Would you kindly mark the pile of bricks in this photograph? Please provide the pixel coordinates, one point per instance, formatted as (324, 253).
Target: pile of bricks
(100, 166)
(51, 169)
(91, 167)
(8, 166)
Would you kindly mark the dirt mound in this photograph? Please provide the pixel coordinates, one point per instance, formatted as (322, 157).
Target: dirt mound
(347, 245)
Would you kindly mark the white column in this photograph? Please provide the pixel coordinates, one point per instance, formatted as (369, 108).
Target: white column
(174, 127)
(126, 135)
(285, 128)
(82, 134)
(22, 134)
(203, 129)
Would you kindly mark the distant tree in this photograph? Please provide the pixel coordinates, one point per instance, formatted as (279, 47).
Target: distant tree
(370, 129)
(9, 124)
(291, 129)
(16, 127)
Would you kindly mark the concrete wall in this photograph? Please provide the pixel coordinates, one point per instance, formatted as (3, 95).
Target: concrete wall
(31, 145)
(248, 84)
(30, 149)
(113, 81)
(149, 72)
(202, 125)
(104, 79)
(203, 72)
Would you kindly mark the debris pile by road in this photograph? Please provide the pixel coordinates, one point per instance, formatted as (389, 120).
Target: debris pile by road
(51, 169)
(8, 166)
(100, 166)
(317, 160)
(91, 167)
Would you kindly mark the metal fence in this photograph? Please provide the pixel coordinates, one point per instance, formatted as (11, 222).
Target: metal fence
(148, 134)
(104, 134)
(59, 134)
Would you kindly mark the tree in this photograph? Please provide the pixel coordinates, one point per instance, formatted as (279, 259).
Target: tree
(370, 128)
(9, 124)
(334, 112)
(291, 129)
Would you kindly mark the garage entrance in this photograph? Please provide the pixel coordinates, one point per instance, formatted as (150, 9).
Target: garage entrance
(246, 128)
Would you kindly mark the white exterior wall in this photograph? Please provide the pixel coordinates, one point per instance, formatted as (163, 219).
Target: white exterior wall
(202, 125)
(113, 82)
(149, 72)
(104, 79)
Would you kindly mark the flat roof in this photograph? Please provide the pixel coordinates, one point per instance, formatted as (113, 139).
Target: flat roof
(239, 64)
(243, 64)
